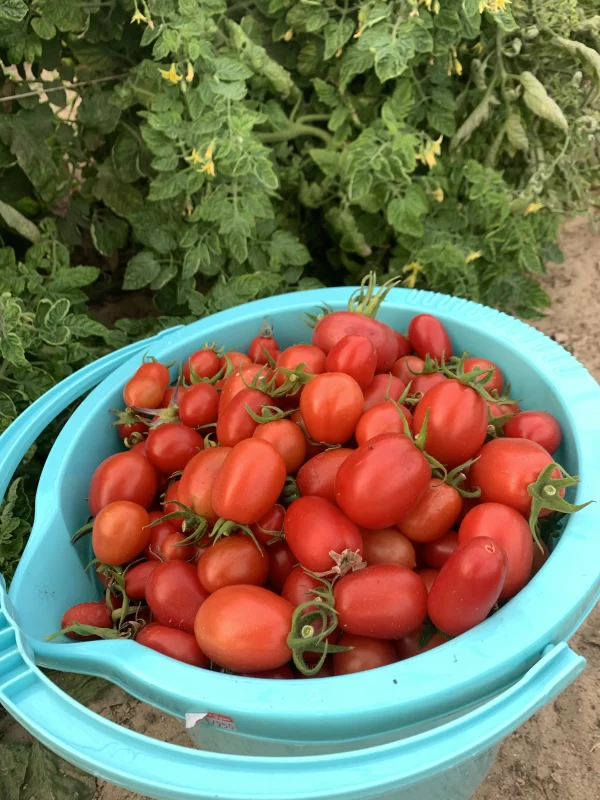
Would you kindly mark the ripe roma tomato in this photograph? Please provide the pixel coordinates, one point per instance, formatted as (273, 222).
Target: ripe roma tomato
(468, 586)
(429, 337)
(314, 528)
(238, 382)
(263, 347)
(146, 388)
(205, 364)
(170, 446)
(404, 346)
(388, 546)
(199, 406)
(381, 481)
(384, 601)
(245, 628)
(457, 422)
(195, 489)
(312, 357)
(410, 645)
(175, 594)
(120, 533)
(93, 613)
(355, 356)
(495, 382)
(173, 643)
(235, 423)
(508, 529)
(365, 654)
(124, 476)
(270, 526)
(233, 560)
(435, 513)
(436, 553)
(335, 326)
(537, 426)
(298, 587)
(281, 562)
(317, 475)
(287, 438)
(136, 578)
(407, 368)
(331, 405)
(385, 417)
(384, 386)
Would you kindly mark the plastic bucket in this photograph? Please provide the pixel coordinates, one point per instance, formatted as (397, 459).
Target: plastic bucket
(421, 729)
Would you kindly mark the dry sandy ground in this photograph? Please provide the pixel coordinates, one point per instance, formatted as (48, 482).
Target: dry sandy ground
(556, 755)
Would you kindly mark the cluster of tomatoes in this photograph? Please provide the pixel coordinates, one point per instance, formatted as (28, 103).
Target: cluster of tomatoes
(319, 510)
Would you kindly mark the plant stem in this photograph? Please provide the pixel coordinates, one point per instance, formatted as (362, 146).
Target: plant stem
(61, 88)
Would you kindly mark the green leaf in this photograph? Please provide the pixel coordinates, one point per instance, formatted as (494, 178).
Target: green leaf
(125, 157)
(109, 233)
(141, 270)
(327, 160)
(42, 26)
(540, 103)
(286, 249)
(354, 62)
(238, 245)
(475, 119)
(505, 20)
(14, 758)
(19, 223)
(82, 326)
(97, 113)
(122, 198)
(229, 69)
(168, 185)
(392, 59)
(360, 185)
(11, 348)
(166, 274)
(588, 55)
(197, 259)
(49, 778)
(13, 10)
(516, 133)
(336, 35)
(308, 59)
(68, 278)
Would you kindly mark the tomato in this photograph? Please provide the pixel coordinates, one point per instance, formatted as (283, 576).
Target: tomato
(173, 643)
(146, 388)
(384, 386)
(127, 429)
(136, 578)
(429, 337)
(281, 562)
(429, 576)
(457, 424)
(173, 396)
(326, 670)
(506, 467)
(234, 359)
(124, 476)
(195, 489)
(385, 601)
(158, 534)
(537, 426)
(169, 447)
(366, 654)
(422, 383)
(199, 406)
(287, 438)
(249, 482)
(298, 587)
(404, 346)
(120, 533)
(381, 481)
(388, 546)
(435, 513)
(385, 417)
(312, 357)
(510, 531)
(510, 408)
(468, 586)
(233, 560)
(409, 645)
(260, 344)
(467, 504)
(269, 526)
(317, 475)
(172, 548)
(94, 613)
(331, 328)
(407, 368)
(312, 448)
(314, 528)
(436, 553)
(539, 558)
(205, 364)
(169, 506)
(355, 356)
(241, 380)
(245, 628)
(235, 423)
(331, 405)
(493, 384)
(175, 594)
(283, 673)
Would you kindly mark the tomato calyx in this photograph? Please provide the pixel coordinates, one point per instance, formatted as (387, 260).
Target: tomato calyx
(457, 476)
(295, 379)
(225, 527)
(368, 298)
(125, 417)
(343, 563)
(191, 522)
(312, 320)
(476, 378)
(545, 494)
(420, 440)
(269, 414)
(290, 491)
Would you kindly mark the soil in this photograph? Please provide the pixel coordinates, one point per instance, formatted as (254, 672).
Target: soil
(556, 755)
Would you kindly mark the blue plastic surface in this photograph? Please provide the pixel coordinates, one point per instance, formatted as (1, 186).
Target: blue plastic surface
(412, 699)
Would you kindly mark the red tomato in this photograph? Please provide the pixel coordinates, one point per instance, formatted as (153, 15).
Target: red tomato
(287, 438)
(146, 388)
(366, 654)
(429, 576)
(245, 628)
(467, 504)
(136, 578)
(510, 531)
(269, 526)
(422, 383)
(120, 533)
(435, 513)
(235, 423)
(205, 364)
(169, 447)
(331, 328)
(281, 562)
(326, 670)
(314, 528)
(537, 426)
(317, 475)
(381, 481)
(173, 643)
(169, 506)
(124, 476)
(299, 586)
(388, 546)
(175, 594)
(409, 645)
(385, 601)
(195, 489)
(457, 424)
(172, 549)
(96, 614)
(385, 417)
(428, 336)
(331, 405)
(249, 482)
(355, 356)
(232, 358)
(199, 406)
(233, 560)
(259, 345)
(173, 396)
(158, 534)
(496, 382)
(283, 673)
(404, 346)
(407, 368)
(126, 429)
(384, 386)
(506, 467)
(510, 408)
(436, 553)
(237, 382)
(312, 448)
(468, 586)
(312, 357)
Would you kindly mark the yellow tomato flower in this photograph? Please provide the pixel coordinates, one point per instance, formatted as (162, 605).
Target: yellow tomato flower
(532, 208)
(439, 195)
(189, 76)
(171, 74)
(287, 36)
(473, 256)
(138, 16)
(194, 158)
(413, 269)
(209, 168)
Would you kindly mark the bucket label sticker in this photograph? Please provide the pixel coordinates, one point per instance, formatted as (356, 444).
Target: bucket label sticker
(221, 721)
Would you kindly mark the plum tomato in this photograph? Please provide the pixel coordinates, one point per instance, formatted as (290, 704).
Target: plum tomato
(263, 347)
(428, 336)
(312, 357)
(493, 384)
(232, 359)
(270, 526)
(173, 643)
(204, 362)
(120, 532)
(410, 645)
(240, 380)
(331, 405)
(147, 386)
(298, 587)
(385, 417)
(387, 546)
(195, 488)
(429, 576)
(281, 562)
(335, 326)
(436, 553)
(235, 423)
(199, 406)
(233, 560)
(170, 446)
(136, 578)
(384, 386)
(175, 594)
(404, 346)
(283, 673)
(317, 475)
(94, 613)
(366, 653)
(123, 476)
(355, 356)
(435, 513)
(407, 368)
(537, 426)
(287, 438)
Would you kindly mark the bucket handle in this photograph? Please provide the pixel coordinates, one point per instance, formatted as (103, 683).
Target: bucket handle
(157, 769)
(22, 433)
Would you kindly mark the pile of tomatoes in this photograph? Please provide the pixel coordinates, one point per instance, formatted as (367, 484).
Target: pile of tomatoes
(322, 509)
